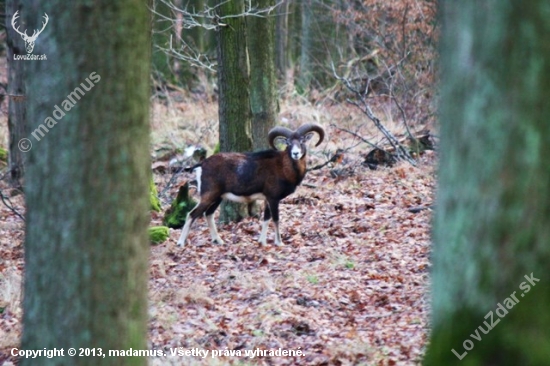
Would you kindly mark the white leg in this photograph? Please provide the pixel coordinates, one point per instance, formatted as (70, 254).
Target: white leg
(198, 175)
(213, 231)
(278, 240)
(263, 235)
(185, 231)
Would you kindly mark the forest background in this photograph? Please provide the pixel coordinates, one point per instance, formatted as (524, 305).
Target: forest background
(351, 284)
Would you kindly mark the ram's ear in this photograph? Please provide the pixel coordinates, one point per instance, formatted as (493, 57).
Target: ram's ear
(307, 136)
(281, 142)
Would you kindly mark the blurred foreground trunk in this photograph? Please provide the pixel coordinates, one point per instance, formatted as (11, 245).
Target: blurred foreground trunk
(491, 261)
(87, 183)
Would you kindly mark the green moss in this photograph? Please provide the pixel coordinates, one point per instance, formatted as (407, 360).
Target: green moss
(216, 148)
(3, 155)
(155, 202)
(158, 234)
(177, 213)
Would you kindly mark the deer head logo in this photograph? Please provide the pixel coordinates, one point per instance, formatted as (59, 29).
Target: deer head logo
(29, 40)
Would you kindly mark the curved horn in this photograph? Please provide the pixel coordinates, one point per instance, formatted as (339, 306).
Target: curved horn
(312, 127)
(276, 132)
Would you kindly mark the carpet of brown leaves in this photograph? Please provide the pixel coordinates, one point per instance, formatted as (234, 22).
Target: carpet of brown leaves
(348, 287)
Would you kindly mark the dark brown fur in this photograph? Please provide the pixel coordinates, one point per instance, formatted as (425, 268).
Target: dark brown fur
(271, 175)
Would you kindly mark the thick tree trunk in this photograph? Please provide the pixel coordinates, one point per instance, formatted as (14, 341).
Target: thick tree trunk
(87, 183)
(234, 100)
(491, 253)
(16, 97)
(263, 93)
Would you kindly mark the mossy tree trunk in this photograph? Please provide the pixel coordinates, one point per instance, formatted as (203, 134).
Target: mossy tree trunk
(87, 182)
(491, 224)
(16, 97)
(176, 214)
(263, 93)
(234, 99)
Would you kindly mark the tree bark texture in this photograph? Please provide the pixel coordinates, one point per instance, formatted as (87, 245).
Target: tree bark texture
(294, 45)
(263, 92)
(233, 79)
(491, 229)
(234, 98)
(281, 41)
(16, 96)
(87, 183)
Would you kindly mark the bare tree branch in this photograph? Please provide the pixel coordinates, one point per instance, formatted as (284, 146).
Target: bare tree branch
(7, 202)
(361, 103)
(189, 19)
(357, 135)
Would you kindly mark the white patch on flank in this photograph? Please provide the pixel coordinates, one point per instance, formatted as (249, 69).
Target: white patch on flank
(198, 173)
(243, 199)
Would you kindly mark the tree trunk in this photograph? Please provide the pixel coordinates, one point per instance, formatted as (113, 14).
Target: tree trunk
(196, 37)
(16, 97)
(3, 18)
(87, 183)
(281, 41)
(234, 101)
(491, 255)
(294, 37)
(162, 29)
(306, 48)
(193, 38)
(320, 44)
(263, 93)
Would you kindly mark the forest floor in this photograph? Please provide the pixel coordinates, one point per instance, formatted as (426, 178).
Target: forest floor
(350, 285)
